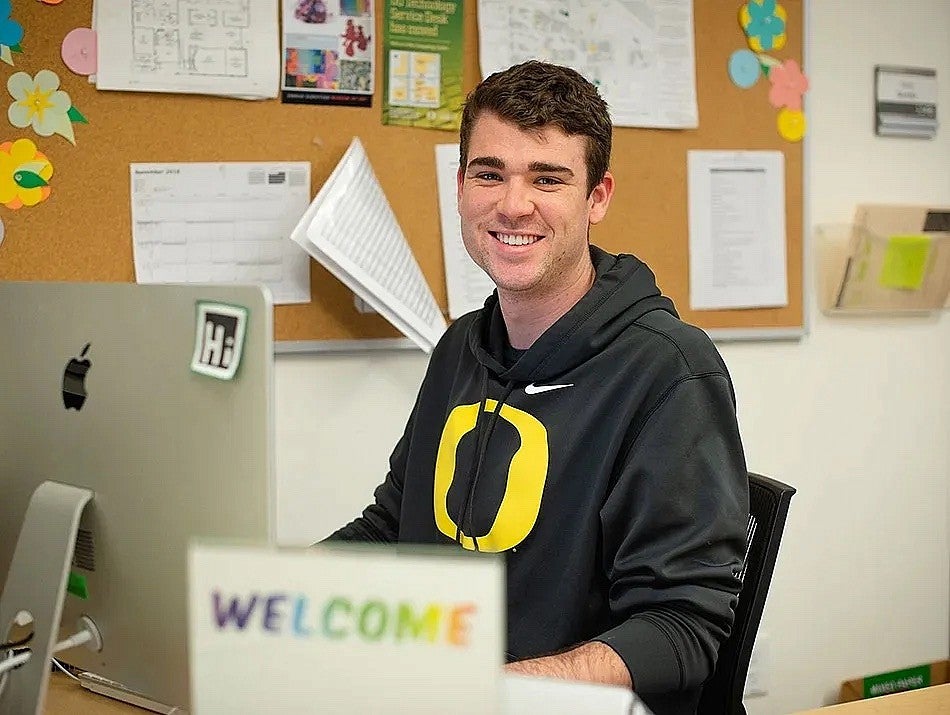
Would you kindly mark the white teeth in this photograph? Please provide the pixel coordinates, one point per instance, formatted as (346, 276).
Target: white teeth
(510, 240)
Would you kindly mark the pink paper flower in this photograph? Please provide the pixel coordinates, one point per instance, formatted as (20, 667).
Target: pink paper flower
(788, 86)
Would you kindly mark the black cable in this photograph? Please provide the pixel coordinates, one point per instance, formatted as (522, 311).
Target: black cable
(10, 645)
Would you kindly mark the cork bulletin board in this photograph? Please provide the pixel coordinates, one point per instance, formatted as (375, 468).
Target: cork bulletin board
(83, 231)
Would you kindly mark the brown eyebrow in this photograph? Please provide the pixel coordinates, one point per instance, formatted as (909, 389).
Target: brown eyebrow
(491, 162)
(537, 167)
(540, 167)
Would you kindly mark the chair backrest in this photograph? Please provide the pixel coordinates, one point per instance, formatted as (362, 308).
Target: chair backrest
(768, 507)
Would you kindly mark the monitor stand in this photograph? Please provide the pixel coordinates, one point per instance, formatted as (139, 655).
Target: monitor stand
(36, 583)
(117, 691)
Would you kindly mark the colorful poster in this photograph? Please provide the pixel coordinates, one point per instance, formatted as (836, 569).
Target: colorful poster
(328, 52)
(422, 57)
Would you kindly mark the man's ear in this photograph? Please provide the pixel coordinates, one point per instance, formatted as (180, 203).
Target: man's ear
(459, 180)
(599, 198)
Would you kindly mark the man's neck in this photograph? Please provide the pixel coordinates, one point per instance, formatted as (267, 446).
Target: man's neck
(528, 316)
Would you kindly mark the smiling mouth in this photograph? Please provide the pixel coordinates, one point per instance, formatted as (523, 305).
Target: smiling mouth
(510, 239)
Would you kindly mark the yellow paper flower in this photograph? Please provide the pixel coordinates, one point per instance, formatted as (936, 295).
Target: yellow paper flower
(24, 174)
(40, 103)
(791, 124)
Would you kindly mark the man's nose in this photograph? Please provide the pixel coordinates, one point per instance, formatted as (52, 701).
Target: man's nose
(515, 200)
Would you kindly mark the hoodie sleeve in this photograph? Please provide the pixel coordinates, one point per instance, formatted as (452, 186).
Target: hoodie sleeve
(674, 536)
(379, 521)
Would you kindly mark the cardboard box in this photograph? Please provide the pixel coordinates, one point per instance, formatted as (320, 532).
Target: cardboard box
(895, 681)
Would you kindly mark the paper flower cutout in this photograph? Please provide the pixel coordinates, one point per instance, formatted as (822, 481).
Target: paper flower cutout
(791, 125)
(744, 68)
(11, 32)
(78, 50)
(764, 24)
(40, 103)
(24, 174)
(788, 86)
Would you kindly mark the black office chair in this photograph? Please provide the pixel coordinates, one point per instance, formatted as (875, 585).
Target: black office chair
(768, 507)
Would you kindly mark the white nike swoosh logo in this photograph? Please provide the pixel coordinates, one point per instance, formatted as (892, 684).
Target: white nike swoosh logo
(533, 389)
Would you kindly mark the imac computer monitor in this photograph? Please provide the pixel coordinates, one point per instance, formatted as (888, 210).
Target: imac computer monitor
(101, 388)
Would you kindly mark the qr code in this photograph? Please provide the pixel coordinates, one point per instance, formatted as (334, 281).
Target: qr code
(356, 75)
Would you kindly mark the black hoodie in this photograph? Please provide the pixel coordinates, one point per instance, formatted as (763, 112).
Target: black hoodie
(612, 476)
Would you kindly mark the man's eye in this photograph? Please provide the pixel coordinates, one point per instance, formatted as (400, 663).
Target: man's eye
(487, 176)
(548, 181)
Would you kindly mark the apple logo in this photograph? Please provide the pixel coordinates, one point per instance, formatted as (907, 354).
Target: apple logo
(74, 380)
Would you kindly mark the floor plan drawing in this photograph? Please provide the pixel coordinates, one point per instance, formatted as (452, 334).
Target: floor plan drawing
(198, 37)
(227, 47)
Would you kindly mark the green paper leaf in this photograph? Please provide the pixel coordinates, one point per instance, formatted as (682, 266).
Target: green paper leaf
(16, 48)
(28, 180)
(766, 69)
(76, 116)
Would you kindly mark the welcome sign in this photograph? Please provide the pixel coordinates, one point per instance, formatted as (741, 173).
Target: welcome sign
(345, 629)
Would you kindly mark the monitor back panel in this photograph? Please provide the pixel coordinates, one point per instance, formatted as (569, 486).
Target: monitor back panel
(169, 453)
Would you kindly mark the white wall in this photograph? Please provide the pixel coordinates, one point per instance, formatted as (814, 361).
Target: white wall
(856, 415)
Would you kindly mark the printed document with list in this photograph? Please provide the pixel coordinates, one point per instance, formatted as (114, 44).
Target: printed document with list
(221, 223)
(737, 247)
(639, 53)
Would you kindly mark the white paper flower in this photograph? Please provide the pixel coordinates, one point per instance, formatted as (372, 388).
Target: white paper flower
(40, 103)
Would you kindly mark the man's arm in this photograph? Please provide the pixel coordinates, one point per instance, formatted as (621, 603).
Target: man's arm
(674, 537)
(592, 662)
(673, 529)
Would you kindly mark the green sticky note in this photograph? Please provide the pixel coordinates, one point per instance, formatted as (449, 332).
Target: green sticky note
(905, 262)
(77, 586)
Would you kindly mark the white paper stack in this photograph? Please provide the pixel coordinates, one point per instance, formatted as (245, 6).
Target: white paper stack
(352, 231)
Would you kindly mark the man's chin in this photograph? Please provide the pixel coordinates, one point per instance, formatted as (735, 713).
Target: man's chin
(516, 287)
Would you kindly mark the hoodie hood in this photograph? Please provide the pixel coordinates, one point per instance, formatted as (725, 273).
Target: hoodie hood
(623, 291)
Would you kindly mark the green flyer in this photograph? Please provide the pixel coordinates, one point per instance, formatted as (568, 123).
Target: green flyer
(422, 63)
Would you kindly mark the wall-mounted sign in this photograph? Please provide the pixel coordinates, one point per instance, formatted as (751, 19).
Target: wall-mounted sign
(905, 102)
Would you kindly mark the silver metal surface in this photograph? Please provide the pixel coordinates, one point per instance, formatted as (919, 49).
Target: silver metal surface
(169, 454)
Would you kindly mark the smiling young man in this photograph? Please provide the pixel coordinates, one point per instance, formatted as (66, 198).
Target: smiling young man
(574, 422)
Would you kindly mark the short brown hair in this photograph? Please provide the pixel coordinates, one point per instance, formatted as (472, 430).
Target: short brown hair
(534, 94)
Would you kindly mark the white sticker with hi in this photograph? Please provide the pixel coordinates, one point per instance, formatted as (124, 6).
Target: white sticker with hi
(219, 339)
(345, 629)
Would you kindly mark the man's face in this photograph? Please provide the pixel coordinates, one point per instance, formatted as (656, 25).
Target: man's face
(525, 208)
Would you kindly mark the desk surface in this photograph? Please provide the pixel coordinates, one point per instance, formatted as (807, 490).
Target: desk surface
(67, 697)
(934, 700)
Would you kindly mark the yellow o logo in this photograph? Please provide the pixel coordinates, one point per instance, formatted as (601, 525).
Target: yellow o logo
(525, 485)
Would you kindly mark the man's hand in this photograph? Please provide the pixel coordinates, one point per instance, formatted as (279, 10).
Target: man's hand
(591, 662)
